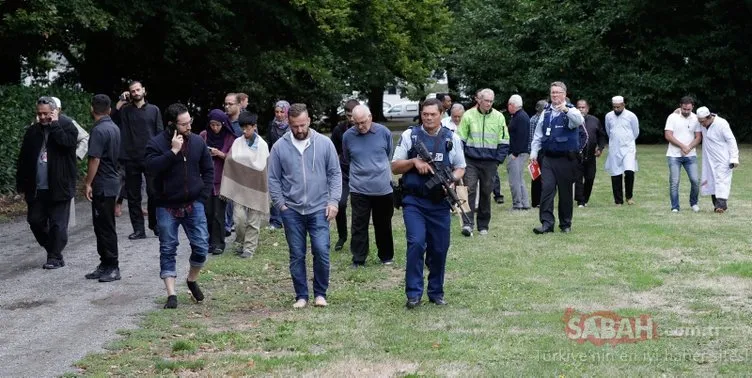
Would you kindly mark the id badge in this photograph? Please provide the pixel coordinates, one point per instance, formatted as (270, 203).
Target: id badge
(548, 131)
(44, 157)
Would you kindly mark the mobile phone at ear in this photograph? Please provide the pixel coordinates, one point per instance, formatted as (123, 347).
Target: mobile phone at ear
(731, 165)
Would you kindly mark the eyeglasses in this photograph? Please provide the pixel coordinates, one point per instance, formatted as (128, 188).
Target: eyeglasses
(186, 123)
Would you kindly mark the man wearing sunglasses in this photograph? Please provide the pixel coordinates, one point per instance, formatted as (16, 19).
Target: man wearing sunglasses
(46, 175)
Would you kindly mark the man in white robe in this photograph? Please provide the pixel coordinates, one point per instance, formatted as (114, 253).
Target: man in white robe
(720, 156)
(622, 128)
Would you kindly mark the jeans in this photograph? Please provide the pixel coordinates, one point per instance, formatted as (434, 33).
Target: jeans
(382, 208)
(194, 226)
(515, 171)
(297, 227)
(674, 174)
(103, 217)
(48, 221)
(427, 233)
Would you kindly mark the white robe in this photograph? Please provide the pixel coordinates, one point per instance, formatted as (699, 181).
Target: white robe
(719, 150)
(622, 132)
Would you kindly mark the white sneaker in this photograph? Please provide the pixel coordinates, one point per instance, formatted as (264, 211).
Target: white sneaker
(483, 232)
(696, 208)
(581, 206)
(300, 303)
(674, 210)
(320, 301)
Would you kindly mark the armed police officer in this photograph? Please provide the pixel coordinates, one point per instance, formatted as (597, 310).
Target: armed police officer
(426, 212)
(557, 138)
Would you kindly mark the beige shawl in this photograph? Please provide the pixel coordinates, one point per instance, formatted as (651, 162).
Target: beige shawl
(244, 178)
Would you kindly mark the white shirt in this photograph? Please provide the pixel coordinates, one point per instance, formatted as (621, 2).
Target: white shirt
(301, 144)
(684, 129)
(447, 122)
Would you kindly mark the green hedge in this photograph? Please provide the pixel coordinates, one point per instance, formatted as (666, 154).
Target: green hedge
(17, 111)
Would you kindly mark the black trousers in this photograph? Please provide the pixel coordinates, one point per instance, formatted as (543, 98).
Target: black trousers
(342, 210)
(583, 184)
(382, 208)
(482, 171)
(215, 219)
(616, 186)
(103, 217)
(133, 182)
(535, 192)
(557, 173)
(48, 221)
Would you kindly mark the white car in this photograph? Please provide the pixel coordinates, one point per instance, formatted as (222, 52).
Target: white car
(406, 110)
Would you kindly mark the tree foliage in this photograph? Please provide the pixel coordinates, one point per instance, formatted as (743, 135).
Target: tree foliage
(652, 53)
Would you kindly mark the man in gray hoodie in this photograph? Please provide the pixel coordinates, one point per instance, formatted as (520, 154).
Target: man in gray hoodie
(305, 184)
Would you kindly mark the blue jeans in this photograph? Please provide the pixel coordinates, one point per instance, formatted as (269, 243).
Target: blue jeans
(194, 225)
(427, 228)
(297, 227)
(674, 169)
(275, 219)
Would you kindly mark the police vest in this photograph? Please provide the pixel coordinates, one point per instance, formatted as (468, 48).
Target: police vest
(557, 136)
(439, 145)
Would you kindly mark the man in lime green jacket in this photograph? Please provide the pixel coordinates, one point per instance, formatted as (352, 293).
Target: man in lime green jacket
(485, 140)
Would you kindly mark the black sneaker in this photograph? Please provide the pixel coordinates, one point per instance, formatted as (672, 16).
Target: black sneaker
(412, 302)
(198, 295)
(499, 200)
(218, 251)
(340, 244)
(438, 301)
(96, 273)
(137, 235)
(172, 302)
(110, 275)
(53, 264)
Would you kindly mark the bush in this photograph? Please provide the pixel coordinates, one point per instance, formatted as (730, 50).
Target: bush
(17, 111)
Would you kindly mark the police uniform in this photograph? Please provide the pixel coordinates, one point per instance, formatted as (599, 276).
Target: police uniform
(426, 215)
(557, 136)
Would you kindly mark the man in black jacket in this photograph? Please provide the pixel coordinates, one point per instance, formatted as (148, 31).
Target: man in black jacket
(183, 175)
(139, 121)
(583, 183)
(46, 175)
(344, 166)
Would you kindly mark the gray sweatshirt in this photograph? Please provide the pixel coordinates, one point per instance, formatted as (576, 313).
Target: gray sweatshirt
(306, 182)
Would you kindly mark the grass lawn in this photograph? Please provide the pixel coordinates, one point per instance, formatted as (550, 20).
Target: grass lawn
(691, 273)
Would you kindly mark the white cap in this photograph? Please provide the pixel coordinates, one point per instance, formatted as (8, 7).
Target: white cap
(703, 112)
(57, 102)
(617, 100)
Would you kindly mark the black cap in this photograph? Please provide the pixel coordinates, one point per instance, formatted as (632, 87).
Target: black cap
(247, 118)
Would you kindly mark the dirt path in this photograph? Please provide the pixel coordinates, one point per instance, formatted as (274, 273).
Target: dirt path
(50, 319)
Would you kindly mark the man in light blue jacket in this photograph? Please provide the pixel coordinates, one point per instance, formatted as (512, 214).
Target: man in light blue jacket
(305, 184)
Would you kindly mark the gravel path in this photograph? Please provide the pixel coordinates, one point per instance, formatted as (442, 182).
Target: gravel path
(49, 319)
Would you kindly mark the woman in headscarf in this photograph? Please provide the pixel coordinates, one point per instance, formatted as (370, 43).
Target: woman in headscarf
(218, 137)
(277, 127)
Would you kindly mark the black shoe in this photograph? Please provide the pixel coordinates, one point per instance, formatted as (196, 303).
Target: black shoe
(358, 265)
(541, 230)
(217, 251)
(566, 230)
(111, 274)
(438, 301)
(96, 273)
(412, 302)
(499, 200)
(137, 235)
(172, 302)
(53, 264)
(198, 295)
(340, 244)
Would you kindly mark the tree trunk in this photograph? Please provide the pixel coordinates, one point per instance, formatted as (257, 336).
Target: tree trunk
(376, 103)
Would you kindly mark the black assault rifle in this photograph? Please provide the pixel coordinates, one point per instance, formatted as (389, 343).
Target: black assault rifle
(442, 178)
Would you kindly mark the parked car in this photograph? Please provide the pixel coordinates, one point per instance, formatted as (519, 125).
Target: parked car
(406, 110)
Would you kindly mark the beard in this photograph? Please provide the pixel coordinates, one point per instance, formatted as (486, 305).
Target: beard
(618, 112)
(300, 135)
